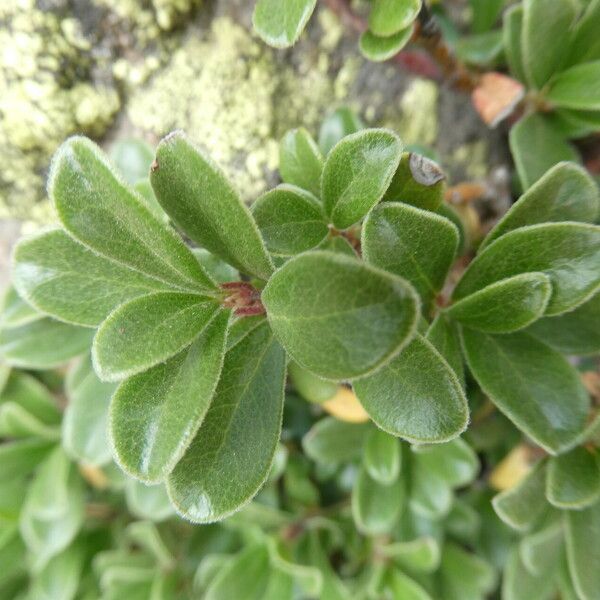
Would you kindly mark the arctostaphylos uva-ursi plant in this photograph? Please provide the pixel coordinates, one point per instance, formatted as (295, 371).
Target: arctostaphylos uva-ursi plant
(356, 280)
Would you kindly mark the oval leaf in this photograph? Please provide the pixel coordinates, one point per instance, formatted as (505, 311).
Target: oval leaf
(202, 202)
(338, 317)
(280, 24)
(147, 331)
(357, 172)
(151, 430)
(337, 125)
(379, 49)
(577, 87)
(101, 212)
(506, 305)
(390, 16)
(528, 382)
(545, 248)
(333, 441)
(413, 243)
(231, 455)
(290, 220)
(419, 405)
(300, 160)
(382, 457)
(512, 26)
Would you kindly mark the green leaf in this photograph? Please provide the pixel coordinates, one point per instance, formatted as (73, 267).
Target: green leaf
(290, 220)
(379, 49)
(376, 507)
(148, 501)
(357, 172)
(17, 422)
(300, 160)
(518, 583)
(231, 455)
(485, 14)
(522, 506)
(412, 243)
(419, 181)
(430, 495)
(465, 575)
(43, 344)
(63, 278)
(577, 87)
(337, 244)
(148, 330)
(155, 415)
(202, 202)
(133, 159)
(481, 49)
(584, 43)
(60, 577)
(565, 193)
(382, 457)
(575, 123)
(334, 442)
(573, 479)
(454, 462)
(20, 457)
(309, 386)
(339, 317)
(546, 248)
(101, 212)
(512, 27)
(26, 391)
(541, 551)
(527, 137)
(505, 306)
(583, 552)
(417, 404)
(576, 332)
(85, 424)
(402, 586)
(421, 554)
(15, 311)
(543, 25)
(528, 382)
(337, 125)
(280, 25)
(444, 337)
(390, 16)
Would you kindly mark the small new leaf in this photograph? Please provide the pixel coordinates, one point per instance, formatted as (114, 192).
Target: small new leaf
(387, 17)
(300, 160)
(280, 24)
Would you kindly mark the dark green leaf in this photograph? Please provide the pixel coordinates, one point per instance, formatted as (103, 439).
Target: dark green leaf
(201, 201)
(155, 415)
(583, 551)
(101, 212)
(523, 505)
(280, 25)
(543, 24)
(443, 335)
(577, 87)
(527, 137)
(390, 16)
(290, 220)
(357, 172)
(528, 382)
(332, 441)
(382, 457)
(512, 26)
(417, 404)
(300, 160)
(542, 248)
(575, 332)
(147, 331)
(565, 193)
(413, 243)
(505, 306)
(63, 278)
(231, 455)
(573, 479)
(337, 125)
(43, 344)
(338, 317)
(379, 49)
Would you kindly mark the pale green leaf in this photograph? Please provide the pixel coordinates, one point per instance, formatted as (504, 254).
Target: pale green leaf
(512, 26)
(155, 415)
(481, 49)
(333, 441)
(290, 220)
(577, 87)
(201, 201)
(101, 212)
(541, 551)
(357, 172)
(382, 457)
(584, 44)
(15, 311)
(416, 403)
(506, 305)
(60, 577)
(545, 248)
(528, 381)
(454, 462)
(218, 269)
(412, 243)
(519, 584)
(430, 495)
(379, 49)
(300, 160)
(339, 317)
(147, 331)
(465, 575)
(232, 453)
(421, 554)
(337, 125)
(573, 479)
(281, 24)
(20, 457)
(148, 501)
(133, 158)
(17, 422)
(63, 278)
(33, 396)
(390, 16)
(43, 344)
(402, 586)
(309, 386)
